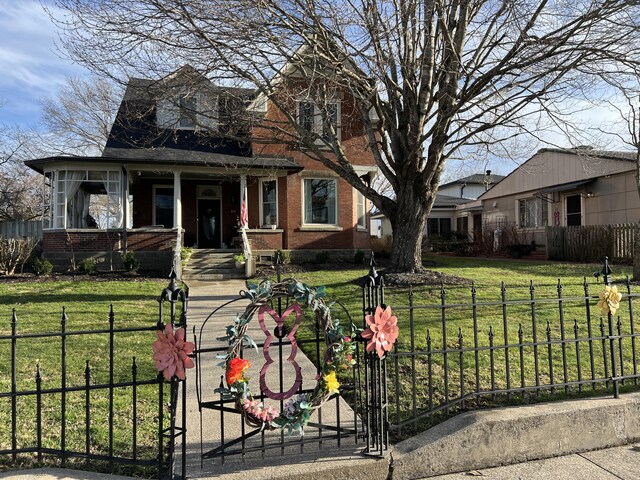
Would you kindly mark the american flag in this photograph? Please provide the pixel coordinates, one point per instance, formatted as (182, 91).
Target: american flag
(244, 215)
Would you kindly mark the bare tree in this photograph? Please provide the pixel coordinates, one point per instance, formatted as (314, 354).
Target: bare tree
(432, 80)
(78, 119)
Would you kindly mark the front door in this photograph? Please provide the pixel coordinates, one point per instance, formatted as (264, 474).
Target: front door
(209, 223)
(574, 210)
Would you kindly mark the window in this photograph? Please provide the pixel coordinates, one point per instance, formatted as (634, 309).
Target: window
(462, 225)
(532, 212)
(187, 112)
(320, 201)
(574, 210)
(312, 120)
(163, 206)
(438, 226)
(268, 202)
(86, 199)
(361, 210)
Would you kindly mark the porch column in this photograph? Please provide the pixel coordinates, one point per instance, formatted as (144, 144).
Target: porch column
(177, 201)
(244, 208)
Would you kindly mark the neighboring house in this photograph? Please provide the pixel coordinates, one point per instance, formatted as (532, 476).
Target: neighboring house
(470, 187)
(578, 186)
(176, 171)
(442, 219)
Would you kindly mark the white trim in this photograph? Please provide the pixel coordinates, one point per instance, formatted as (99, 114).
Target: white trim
(337, 210)
(260, 183)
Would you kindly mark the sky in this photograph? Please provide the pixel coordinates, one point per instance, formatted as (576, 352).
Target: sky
(31, 68)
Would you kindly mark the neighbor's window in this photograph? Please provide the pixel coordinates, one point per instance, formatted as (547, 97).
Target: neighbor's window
(163, 206)
(268, 202)
(438, 226)
(362, 210)
(532, 212)
(320, 201)
(312, 119)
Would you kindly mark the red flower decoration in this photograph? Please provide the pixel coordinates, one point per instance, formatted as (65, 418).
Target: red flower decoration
(382, 332)
(235, 370)
(170, 352)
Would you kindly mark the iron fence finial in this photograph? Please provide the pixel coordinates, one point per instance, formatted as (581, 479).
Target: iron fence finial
(606, 271)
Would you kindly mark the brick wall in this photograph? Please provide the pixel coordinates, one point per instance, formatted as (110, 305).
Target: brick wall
(265, 239)
(107, 240)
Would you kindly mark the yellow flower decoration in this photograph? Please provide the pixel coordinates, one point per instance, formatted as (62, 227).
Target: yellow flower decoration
(331, 383)
(609, 300)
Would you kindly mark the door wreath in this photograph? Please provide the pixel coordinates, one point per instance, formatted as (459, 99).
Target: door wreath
(338, 355)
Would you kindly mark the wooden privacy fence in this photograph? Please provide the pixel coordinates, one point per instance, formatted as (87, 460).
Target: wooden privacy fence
(592, 243)
(21, 228)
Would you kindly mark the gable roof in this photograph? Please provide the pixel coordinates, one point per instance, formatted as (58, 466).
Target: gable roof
(476, 178)
(550, 167)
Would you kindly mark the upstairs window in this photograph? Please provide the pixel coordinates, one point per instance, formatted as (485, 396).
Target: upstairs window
(312, 120)
(187, 112)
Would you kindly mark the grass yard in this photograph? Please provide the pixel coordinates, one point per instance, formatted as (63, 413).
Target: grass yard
(38, 306)
(407, 374)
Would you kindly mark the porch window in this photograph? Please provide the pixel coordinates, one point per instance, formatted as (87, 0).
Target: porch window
(268, 202)
(86, 199)
(532, 212)
(320, 201)
(361, 210)
(163, 206)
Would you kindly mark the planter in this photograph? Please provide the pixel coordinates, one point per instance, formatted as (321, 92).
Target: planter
(239, 264)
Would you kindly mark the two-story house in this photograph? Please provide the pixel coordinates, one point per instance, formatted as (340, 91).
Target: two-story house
(183, 167)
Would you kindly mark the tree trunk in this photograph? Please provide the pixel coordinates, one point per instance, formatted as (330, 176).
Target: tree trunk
(408, 226)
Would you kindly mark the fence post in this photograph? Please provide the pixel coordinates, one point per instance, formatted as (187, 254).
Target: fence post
(606, 272)
(174, 295)
(376, 405)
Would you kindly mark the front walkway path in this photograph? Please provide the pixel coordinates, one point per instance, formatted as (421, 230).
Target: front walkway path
(304, 458)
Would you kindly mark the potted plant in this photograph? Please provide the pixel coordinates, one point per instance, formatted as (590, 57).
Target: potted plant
(240, 260)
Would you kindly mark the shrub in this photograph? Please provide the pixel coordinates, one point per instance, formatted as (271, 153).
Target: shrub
(87, 266)
(285, 255)
(185, 255)
(130, 262)
(322, 257)
(42, 266)
(358, 257)
(15, 252)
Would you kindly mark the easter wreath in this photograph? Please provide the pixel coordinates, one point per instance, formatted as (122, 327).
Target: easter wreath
(338, 355)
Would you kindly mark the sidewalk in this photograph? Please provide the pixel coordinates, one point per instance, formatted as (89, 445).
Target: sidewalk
(611, 463)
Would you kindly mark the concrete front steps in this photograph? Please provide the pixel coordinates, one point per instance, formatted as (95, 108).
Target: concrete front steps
(209, 264)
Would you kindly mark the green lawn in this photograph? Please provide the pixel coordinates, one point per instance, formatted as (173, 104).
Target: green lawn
(406, 374)
(38, 307)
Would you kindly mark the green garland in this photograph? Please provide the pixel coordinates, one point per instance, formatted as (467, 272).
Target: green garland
(338, 355)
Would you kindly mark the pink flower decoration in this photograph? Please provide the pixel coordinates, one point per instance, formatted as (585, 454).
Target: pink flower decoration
(170, 352)
(382, 332)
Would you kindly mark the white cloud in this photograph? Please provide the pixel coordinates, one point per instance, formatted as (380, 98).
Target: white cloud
(31, 66)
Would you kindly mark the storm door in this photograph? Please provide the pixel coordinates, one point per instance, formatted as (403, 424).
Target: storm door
(574, 210)
(209, 223)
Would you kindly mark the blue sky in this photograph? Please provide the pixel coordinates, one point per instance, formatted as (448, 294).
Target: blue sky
(30, 67)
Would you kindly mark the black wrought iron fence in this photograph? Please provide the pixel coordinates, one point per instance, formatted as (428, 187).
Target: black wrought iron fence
(459, 354)
(95, 414)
